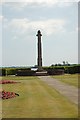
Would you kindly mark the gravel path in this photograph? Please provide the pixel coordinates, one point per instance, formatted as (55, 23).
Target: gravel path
(68, 91)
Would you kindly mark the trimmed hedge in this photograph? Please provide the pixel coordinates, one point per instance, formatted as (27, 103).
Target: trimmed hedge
(67, 69)
(25, 73)
(51, 70)
(10, 71)
(55, 71)
(72, 70)
(0, 72)
(3, 71)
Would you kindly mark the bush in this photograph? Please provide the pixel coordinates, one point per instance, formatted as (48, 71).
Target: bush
(72, 69)
(25, 73)
(3, 71)
(52, 71)
(11, 71)
(0, 72)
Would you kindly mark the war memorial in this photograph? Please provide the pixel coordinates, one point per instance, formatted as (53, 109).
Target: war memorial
(40, 69)
(39, 60)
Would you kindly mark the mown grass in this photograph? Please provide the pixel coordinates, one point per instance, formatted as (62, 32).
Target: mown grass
(36, 100)
(71, 79)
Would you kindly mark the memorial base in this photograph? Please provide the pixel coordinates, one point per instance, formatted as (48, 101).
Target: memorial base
(41, 73)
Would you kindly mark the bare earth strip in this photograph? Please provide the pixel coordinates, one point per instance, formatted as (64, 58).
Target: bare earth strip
(68, 91)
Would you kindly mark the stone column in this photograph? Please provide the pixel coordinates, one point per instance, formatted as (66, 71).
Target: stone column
(39, 51)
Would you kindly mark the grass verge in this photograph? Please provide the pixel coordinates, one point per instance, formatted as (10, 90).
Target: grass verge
(71, 79)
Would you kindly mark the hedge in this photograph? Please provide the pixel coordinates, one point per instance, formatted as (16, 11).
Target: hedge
(25, 73)
(55, 71)
(72, 70)
(51, 70)
(10, 71)
(2, 72)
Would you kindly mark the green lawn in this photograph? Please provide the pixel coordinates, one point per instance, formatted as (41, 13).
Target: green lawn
(36, 100)
(71, 79)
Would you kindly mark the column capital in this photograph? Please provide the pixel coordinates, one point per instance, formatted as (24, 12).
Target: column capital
(39, 33)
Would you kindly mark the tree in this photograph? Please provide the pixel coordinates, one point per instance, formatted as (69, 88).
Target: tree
(52, 65)
(63, 62)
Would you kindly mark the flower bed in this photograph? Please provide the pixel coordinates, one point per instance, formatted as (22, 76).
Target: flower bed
(7, 82)
(7, 95)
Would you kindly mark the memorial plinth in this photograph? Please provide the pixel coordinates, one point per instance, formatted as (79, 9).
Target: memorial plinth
(41, 73)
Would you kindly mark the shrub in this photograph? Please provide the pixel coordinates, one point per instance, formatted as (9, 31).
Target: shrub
(11, 71)
(72, 69)
(25, 73)
(0, 72)
(55, 71)
(3, 71)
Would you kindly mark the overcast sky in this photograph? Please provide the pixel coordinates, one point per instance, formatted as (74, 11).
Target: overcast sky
(21, 21)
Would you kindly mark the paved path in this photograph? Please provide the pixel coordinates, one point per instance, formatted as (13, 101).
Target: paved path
(70, 92)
